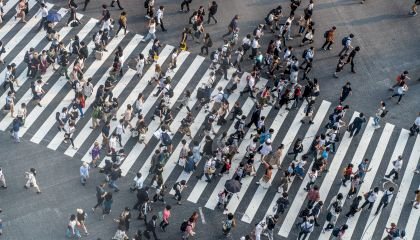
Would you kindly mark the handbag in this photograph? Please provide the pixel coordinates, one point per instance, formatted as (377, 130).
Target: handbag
(134, 133)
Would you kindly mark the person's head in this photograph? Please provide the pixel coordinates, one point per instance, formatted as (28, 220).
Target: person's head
(168, 207)
(230, 216)
(344, 227)
(104, 6)
(391, 189)
(183, 182)
(72, 217)
(357, 48)
(339, 196)
(351, 35)
(154, 218)
(123, 14)
(376, 189)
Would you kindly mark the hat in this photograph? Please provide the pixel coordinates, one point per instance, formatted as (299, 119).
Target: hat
(268, 141)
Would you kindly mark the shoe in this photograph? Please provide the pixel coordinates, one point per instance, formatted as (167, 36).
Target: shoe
(311, 122)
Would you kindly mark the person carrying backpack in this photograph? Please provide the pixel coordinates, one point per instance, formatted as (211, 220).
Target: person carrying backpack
(228, 224)
(329, 36)
(380, 113)
(346, 42)
(386, 198)
(178, 186)
(187, 228)
(166, 139)
(306, 228)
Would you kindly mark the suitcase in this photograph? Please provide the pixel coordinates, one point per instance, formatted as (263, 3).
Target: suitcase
(99, 55)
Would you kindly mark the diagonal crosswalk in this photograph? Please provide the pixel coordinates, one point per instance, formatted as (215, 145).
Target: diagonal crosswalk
(253, 202)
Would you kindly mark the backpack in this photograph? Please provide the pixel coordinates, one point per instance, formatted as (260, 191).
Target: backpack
(384, 112)
(170, 92)
(304, 53)
(184, 226)
(166, 140)
(344, 41)
(212, 55)
(175, 186)
(335, 232)
(396, 233)
(74, 84)
(237, 124)
(326, 33)
(210, 43)
(26, 57)
(367, 195)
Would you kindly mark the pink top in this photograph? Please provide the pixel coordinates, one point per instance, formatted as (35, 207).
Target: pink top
(166, 214)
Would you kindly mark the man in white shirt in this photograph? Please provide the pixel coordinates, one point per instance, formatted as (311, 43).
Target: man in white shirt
(250, 86)
(159, 18)
(44, 13)
(397, 165)
(386, 198)
(119, 130)
(218, 98)
(370, 198)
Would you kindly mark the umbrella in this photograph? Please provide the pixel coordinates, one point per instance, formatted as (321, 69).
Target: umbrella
(54, 16)
(233, 186)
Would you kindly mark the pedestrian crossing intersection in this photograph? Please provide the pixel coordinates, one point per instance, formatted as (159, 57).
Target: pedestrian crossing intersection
(253, 202)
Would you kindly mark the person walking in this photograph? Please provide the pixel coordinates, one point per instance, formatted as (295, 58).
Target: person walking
(100, 195)
(212, 11)
(354, 207)
(122, 22)
(44, 13)
(72, 230)
(228, 224)
(16, 124)
(346, 42)
(416, 201)
(84, 173)
(380, 113)
(107, 204)
(305, 229)
(271, 224)
(355, 127)
(339, 232)
(416, 126)
(345, 92)
(151, 227)
(207, 43)
(363, 168)
(178, 186)
(81, 219)
(396, 168)
(350, 58)
(233, 26)
(166, 213)
(329, 36)
(31, 180)
(386, 198)
(370, 198)
(159, 18)
(118, 2)
(2, 179)
(399, 91)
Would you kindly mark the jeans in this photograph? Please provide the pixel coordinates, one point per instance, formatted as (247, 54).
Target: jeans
(398, 95)
(205, 48)
(185, 3)
(376, 121)
(381, 203)
(16, 136)
(81, 111)
(211, 16)
(327, 44)
(42, 23)
(112, 184)
(149, 36)
(302, 234)
(178, 195)
(393, 172)
(163, 225)
(83, 180)
(64, 69)
(366, 203)
(205, 174)
(344, 50)
(122, 27)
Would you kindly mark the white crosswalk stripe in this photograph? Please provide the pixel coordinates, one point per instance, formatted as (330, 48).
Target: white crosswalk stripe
(251, 203)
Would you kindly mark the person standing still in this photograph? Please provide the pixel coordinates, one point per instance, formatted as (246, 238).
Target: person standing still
(212, 12)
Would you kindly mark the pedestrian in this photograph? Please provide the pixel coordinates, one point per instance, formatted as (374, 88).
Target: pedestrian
(391, 232)
(305, 228)
(84, 173)
(31, 180)
(345, 92)
(355, 181)
(233, 25)
(185, 3)
(178, 186)
(396, 168)
(228, 224)
(297, 148)
(370, 198)
(309, 110)
(72, 230)
(138, 182)
(212, 11)
(115, 174)
(312, 177)
(166, 213)
(118, 2)
(151, 34)
(386, 198)
(107, 204)
(15, 130)
(100, 195)
(416, 201)
(282, 203)
(73, 20)
(380, 113)
(69, 129)
(151, 227)
(339, 232)
(363, 168)
(259, 228)
(313, 196)
(44, 13)
(399, 91)
(81, 216)
(354, 207)
(355, 127)
(271, 222)
(332, 217)
(350, 58)
(415, 129)
(2, 179)
(21, 9)
(265, 179)
(159, 18)
(340, 65)
(122, 22)
(316, 210)
(187, 228)
(346, 42)
(348, 172)
(329, 36)
(413, 11)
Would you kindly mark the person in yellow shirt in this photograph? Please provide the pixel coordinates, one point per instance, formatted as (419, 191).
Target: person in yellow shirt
(122, 22)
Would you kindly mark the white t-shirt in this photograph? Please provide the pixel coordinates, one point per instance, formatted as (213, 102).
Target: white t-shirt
(152, 28)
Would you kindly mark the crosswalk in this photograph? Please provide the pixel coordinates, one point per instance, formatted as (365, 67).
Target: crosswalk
(253, 202)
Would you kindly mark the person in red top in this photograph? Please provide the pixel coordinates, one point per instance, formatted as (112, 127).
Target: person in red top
(400, 78)
(348, 171)
(313, 195)
(166, 213)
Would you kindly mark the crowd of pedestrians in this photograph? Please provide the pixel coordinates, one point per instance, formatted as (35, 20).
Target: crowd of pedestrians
(291, 84)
